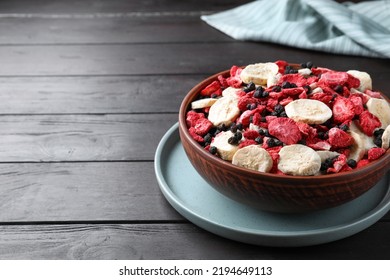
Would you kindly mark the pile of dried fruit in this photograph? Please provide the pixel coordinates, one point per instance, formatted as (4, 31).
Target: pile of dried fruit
(273, 117)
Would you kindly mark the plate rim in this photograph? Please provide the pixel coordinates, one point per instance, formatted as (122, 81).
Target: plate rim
(354, 226)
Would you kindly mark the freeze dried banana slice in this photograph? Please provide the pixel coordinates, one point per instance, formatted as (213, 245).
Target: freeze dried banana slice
(386, 138)
(224, 111)
(203, 103)
(358, 148)
(253, 157)
(308, 111)
(327, 154)
(381, 109)
(299, 159)
(259, 73)
(364, 78)
(231, 92)
(225, 150)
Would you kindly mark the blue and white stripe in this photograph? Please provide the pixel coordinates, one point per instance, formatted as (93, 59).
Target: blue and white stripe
(356, 29)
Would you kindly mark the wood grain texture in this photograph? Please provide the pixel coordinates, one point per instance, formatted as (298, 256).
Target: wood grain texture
(162, 59)
(82, 137)
(97, 6)
(93, 191)
(169, 241)
(108, 29)
(94, 95)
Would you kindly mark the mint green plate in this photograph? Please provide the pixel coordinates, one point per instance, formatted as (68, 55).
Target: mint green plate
(197, 201)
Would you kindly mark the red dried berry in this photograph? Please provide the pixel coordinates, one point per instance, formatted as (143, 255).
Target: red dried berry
(353, 82)
(234, 80)
(202, 126)
(210, 89)
(244, 101)
(223, 81)
(297, 79)
(338, 164)
(362, 162)
(368, 122)
(251, 134)
(282, 65)
(195, 136)
(323, 97)
(285, 129)
(375, 153)
(192, 117)
(293, 91)
(375, 94)
(339, 138)
(343, 110)
(247, 142)
(357, 102)
(286, 101)
(333, 78)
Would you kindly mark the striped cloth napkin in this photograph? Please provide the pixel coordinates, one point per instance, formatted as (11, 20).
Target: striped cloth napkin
(356, 29)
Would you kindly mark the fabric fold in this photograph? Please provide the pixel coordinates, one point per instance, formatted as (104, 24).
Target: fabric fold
(355, 29)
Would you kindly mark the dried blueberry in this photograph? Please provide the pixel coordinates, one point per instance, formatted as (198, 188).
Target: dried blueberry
(286, 84)
(213, 150)
(249, 87)
(339, 89)
(352, 163)
(258, 92)
(344, 127)
(240, 126)
(238, 135)
(207, 138)
(259, 140)
(271, 142)
(233, 140)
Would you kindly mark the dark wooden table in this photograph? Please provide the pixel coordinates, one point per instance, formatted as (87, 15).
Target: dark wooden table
(87, 90)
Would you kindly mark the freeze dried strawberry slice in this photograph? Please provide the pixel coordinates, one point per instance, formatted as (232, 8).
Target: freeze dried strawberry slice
(244, 101)
(234, 80)
(375, 153)
(286, 101)
(353, 82)
(256, 119)
(192, 117)
(323, 97)
(343, 110)
(223, 81)
(333, 78)
(195, 136)
(251, 134)
(297, 79)
(282, 65)
(320, 70)
(338, 164)
(293, 91)
(339, 138)
(368, 122)
(375, 94)
(357, 102)
(362, 162)
(247, 142)
(285, 129)
(213, 87)
(202, 126)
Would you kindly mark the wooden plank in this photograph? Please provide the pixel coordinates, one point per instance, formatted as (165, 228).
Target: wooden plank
(114, 6)
(111, 94)
(82, 137)
(109, 29)
(83, 191)
(100, 95)
(158, 59)
(93, 191)
(170, 241)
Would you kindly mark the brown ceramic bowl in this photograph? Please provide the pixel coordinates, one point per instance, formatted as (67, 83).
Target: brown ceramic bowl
(272, 192)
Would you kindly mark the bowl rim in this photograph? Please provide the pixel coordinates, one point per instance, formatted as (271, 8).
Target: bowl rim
(191, 95)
